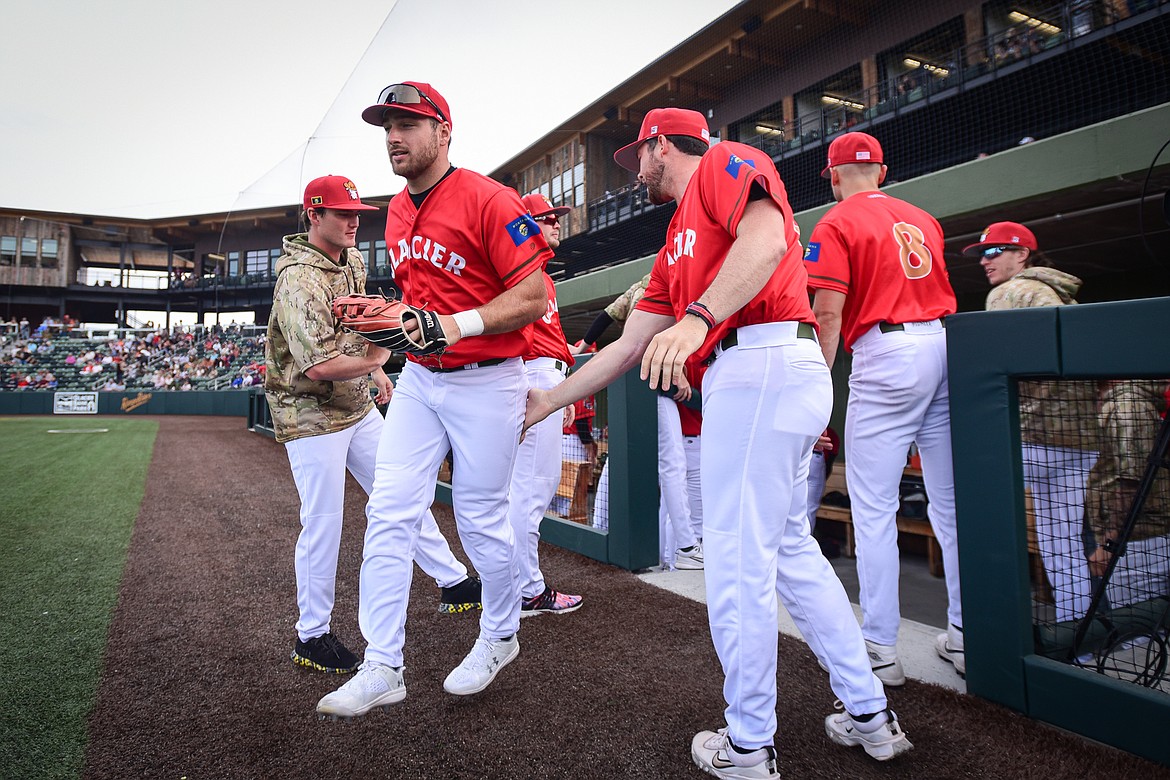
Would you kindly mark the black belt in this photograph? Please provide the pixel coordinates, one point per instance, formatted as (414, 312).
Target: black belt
(803, 331)
(465, 366)
(893, 327)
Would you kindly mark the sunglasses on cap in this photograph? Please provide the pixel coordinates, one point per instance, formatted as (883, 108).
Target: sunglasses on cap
(993, 252)
(551, 219)
(406, 95)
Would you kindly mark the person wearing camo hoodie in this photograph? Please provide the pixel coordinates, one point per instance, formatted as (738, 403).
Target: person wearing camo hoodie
(1060, 438)
(317, 383)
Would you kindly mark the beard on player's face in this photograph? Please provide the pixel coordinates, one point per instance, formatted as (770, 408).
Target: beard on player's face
(652, 173)
(421, 153)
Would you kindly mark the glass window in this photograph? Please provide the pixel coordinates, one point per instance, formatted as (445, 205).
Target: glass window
(49, 248)
(28, 249)
(364, 248)
(256, 261)
(233, 263)
(7, 250)
(379, 253)
(273, 257)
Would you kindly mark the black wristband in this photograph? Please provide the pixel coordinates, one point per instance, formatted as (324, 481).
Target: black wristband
(697, 309)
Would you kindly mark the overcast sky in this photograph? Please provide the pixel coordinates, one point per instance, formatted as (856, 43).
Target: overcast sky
(149, 108)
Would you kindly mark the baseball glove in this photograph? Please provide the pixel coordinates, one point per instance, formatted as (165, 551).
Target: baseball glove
(382, 321)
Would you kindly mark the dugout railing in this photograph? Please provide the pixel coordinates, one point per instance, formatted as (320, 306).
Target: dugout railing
(989, 354)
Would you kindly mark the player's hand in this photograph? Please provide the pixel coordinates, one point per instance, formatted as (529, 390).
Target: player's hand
(385, 387)
(569, 416)
(683, 394)
(667, 354)
(537, 409)
(451, 330)
(1099, 561)
(578, 348)
(824, 444)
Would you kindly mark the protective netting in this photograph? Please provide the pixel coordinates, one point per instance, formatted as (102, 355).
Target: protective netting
(938, 84)
(1097, 477)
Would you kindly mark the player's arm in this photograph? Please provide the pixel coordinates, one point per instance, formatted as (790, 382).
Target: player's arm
(827, 308)
(755, 254)
(602, 368)
(342, 367)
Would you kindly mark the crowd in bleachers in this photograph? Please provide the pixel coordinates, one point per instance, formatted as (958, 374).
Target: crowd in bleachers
(54, 357)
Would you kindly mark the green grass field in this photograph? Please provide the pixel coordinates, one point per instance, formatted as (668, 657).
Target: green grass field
(68, 502)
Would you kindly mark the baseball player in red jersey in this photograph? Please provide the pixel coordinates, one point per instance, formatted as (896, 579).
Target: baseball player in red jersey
(730, 288)
(538, 460)
(876, 264)
(317, 388)
(462, 245)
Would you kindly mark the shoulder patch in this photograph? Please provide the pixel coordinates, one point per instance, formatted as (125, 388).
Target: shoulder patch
(522, 229)
(735, 163)
(812, 252)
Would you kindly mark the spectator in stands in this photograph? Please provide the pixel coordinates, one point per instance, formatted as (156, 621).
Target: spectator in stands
(1057, 429)
(23, 327)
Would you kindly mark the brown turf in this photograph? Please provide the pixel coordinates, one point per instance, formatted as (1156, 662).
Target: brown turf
(197, 682)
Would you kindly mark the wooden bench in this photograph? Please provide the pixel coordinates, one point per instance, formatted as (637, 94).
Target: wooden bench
(910, 526)
(574, 486)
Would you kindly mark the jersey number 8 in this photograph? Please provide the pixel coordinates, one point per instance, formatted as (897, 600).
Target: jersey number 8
(912, 250)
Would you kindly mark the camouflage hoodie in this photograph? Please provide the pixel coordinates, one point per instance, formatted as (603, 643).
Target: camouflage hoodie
(1053, 412)
(303, 333)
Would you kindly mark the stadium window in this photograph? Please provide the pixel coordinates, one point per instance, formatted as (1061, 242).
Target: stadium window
(379, 253)
(364, 248)
(233, 263)
(28, 251)
(256, 261)
(273, 258)
(49, 253)
(7, 250)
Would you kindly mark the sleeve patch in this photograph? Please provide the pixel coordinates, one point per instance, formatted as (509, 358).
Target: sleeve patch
(735, 163)
(812, 252)
(522, 229)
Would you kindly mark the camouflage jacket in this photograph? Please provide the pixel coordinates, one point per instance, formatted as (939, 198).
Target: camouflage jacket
(1053, 412)
(302, 333)
(623, 305)
(1130, 417)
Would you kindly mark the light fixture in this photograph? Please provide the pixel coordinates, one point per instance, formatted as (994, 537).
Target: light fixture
(910, 62)
(1019, 17)
(768, 130)
(836, 101)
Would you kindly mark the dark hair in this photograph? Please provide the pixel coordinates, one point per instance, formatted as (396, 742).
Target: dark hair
(686, 144)
(303, 221)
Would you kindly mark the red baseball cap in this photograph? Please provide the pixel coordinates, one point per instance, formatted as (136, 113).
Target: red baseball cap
(538, 206)
(855, 147)
(663, 121)
(413, 97)
(334, 192)
(1003, 234)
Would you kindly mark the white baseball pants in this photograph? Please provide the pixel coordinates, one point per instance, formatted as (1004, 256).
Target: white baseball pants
(1057, 478)
(898, 394)
(318, 468)
(478, 414)
(765, 402)
(672, 475)
(816, 486)
(601, 500)
(692, 445)
(534, 480)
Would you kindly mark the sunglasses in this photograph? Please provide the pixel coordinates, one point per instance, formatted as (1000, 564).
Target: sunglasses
(995, 251)
(406, 95)
(549, 218)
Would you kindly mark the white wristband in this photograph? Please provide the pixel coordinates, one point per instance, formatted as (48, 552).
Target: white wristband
(469, 322)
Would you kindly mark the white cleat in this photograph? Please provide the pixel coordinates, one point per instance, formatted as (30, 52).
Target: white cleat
(482, 664)
(374, 686)
(881, 736)
(886, 666)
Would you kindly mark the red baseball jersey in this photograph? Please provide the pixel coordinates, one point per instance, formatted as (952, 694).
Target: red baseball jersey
(584, 409)
(886, 256)
(701, 233)
(548, 339)
(471, 240)
(691, 419)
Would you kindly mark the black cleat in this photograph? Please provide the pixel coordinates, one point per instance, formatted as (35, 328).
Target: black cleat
(462, 596)
(325, 653)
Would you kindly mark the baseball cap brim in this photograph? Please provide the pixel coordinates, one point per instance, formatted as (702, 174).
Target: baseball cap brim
(974, 250)
(627, 156)
(560, 211)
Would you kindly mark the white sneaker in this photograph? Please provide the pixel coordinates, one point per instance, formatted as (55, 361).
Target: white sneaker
(886, 666)
(881, 736)
(482, 664)
(374, 685)
(949, 647)
(691, 558)
(713, 753)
